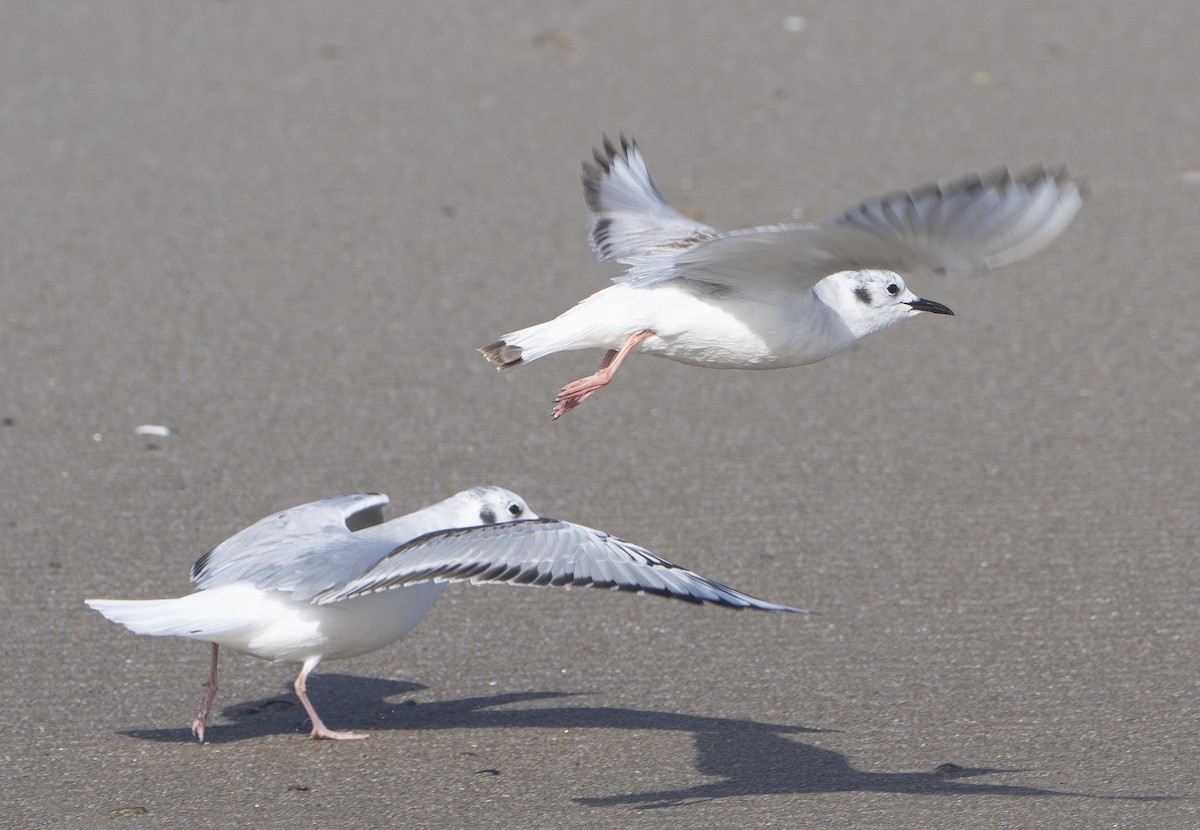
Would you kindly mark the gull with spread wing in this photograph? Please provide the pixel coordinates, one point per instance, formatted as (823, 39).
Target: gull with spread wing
(781, 295)
(331, 579)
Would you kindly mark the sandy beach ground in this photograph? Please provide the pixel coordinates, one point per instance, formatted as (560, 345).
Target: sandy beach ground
(281, 229)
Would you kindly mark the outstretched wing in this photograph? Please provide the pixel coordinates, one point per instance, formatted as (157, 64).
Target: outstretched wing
(538, 552)
(970, 225)
(628, 219)
(275, 552)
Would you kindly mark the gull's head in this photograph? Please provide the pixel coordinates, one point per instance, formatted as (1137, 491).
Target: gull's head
(869, 301)
(487, 505)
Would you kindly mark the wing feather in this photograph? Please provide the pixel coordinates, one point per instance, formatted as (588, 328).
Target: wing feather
(972, 224)
(628, 219)
(537, 552)
(272, 551)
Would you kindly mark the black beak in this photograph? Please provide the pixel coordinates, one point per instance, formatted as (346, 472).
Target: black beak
(930, 306)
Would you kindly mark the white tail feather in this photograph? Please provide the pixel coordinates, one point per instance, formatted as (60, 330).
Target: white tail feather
(528, 344)
(204, 615)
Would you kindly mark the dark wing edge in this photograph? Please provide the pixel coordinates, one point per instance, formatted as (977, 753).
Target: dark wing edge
(628, 219)
(974, 222)
(540, 552)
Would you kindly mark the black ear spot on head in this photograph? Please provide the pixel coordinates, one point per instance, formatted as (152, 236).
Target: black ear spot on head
(864, 296)
(488, 516)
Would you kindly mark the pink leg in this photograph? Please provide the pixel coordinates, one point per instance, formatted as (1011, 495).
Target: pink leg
(575, 393)
(319, 729)
(204, 707)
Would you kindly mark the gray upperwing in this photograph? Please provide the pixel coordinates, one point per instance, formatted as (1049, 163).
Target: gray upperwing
(276, 552)
(538, 552)
(628, 219)
(970, 225)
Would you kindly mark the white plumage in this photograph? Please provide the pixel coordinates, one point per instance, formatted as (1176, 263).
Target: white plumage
(331, 579)
(781, 295)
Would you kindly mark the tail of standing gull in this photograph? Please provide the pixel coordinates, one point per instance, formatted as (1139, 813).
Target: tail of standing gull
(204, 615)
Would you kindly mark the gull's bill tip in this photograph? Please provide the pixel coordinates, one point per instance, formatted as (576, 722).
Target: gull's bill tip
(932, 307)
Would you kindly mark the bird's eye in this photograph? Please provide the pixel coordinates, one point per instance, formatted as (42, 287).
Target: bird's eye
(514, 509)
(893, 289)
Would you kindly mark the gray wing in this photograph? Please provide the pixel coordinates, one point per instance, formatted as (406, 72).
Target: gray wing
(286, 548)
(539, 552)
(970, 225)
(628, 219)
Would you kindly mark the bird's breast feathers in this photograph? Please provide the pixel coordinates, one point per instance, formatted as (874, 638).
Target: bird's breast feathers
(731, 330)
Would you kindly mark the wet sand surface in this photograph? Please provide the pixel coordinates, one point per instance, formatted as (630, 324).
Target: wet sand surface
(281, 229)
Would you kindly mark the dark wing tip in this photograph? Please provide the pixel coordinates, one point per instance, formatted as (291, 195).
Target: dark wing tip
(199, 565)
(609, 149)
(1061, 176)
(1002, 179)
(968, 186)
(601, 165)
(609, 153)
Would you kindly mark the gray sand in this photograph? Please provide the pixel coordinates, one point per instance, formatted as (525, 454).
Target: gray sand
(281, 229)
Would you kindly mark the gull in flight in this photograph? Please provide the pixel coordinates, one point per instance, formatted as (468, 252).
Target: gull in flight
(331, 579)
(780, 295)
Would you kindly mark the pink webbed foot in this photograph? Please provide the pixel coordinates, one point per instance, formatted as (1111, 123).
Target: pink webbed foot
(321, 731)
(576, 392)
(198, 724)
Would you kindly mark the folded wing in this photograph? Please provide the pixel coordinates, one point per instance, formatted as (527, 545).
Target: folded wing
(284, 548)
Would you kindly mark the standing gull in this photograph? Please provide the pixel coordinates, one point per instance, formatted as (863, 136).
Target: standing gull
(331, 579)
(781, 295)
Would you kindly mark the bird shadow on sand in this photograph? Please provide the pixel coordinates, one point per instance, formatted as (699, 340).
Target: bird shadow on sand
(744, 757)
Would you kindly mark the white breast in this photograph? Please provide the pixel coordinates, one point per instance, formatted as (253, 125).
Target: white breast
(728, 330)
